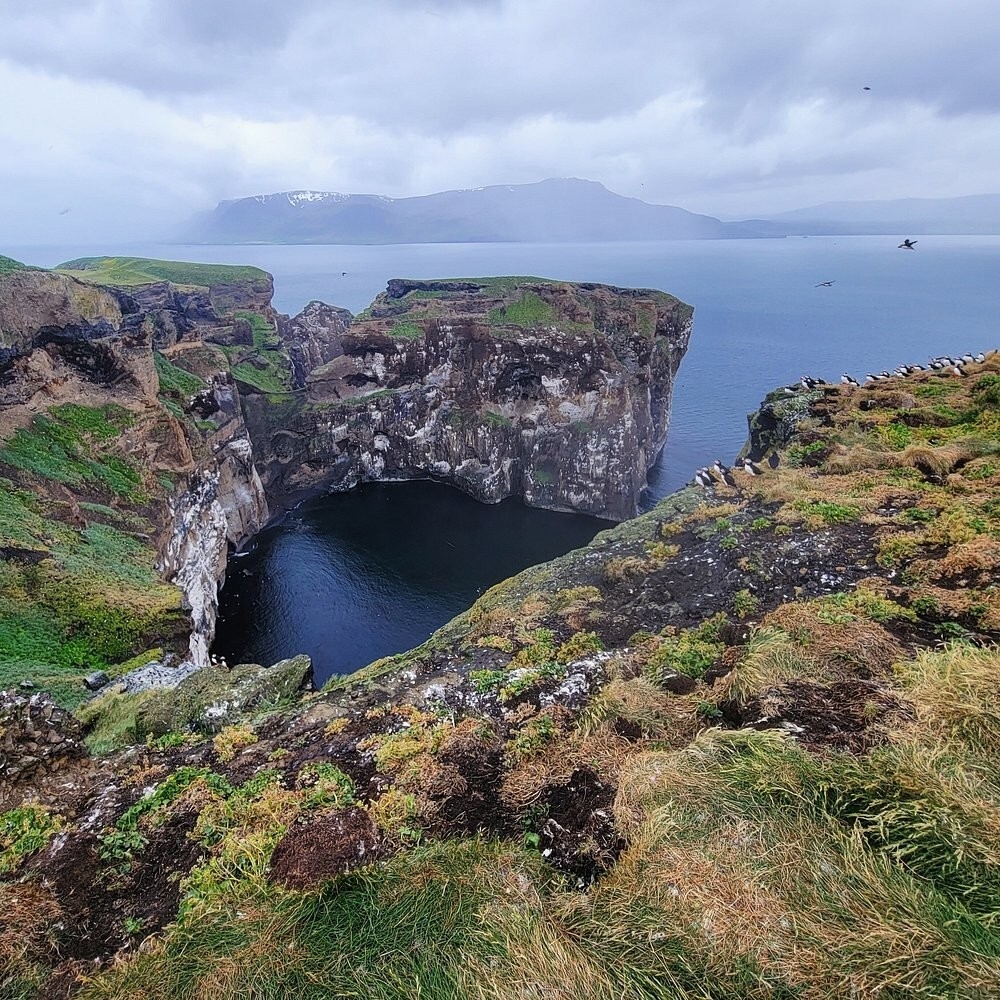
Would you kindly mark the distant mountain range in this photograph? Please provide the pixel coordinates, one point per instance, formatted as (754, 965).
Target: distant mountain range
(555, 211)
(551, 211)
(972, 215)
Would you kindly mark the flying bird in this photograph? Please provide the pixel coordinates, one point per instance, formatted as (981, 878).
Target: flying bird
(64, 211)
(824, 284)
(907, 244)
(866, 88)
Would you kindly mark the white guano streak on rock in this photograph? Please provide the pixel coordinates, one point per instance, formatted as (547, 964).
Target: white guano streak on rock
(223, 505)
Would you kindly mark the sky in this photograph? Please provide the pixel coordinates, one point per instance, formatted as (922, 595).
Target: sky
(121, 118)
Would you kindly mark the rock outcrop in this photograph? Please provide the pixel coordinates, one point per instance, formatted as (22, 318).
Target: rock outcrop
(554, 392)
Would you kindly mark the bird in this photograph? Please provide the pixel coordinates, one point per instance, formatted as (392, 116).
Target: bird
(773, 460)
(750, 469)
(808, 382)
(849, 380)
(866, 88)
(824, 284)
(907, 244)
(728, 479)
(980, 358)
(719, 467)
(702, 478)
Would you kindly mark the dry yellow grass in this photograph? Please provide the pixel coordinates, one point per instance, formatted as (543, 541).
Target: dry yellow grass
(28, 913)
(834, 648)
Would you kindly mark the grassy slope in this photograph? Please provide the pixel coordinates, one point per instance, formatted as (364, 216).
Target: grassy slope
(8, 265)
(861, 859)
(142, 271)
(77, 591)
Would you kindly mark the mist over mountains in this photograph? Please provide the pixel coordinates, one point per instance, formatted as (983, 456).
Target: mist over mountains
(564, 210)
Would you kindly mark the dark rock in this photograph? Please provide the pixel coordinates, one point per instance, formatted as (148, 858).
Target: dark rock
(96, 680)
(677, 683)
(553, 392)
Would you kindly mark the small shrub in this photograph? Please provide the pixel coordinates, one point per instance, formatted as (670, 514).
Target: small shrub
(325, 785)
(828, 512)
(577, 646)
(745, 603)
(687, 654)
(624, 569)
(23, 831)
(533, 736)
(231, 740)
(485, 681)
(799, 455)
(500, 642)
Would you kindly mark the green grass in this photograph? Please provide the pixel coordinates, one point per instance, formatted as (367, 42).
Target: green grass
(8, 266)
(22, 831)
(93, 602)
(174, 379)
(493, 419)
(406, 929)
(66, 445)
(144, 271)
(406, 330)
(276, 377)
(529, 311)
(264, 335)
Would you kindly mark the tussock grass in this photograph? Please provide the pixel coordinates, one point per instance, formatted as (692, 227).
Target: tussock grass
(408, 929)
(835, 641)
(641, 702)
(771, 657)
(936, 461)
(29, 916)
(957, 693)
(821, 874)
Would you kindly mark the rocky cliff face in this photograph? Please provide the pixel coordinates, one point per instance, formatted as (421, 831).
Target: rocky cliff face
(553, 392)
(107, 447)
(135, 417)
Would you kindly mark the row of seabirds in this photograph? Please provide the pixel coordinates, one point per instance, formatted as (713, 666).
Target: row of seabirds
(942, 364)
(712, 475)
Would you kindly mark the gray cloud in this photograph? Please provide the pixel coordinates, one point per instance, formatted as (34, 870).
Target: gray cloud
(157, 107)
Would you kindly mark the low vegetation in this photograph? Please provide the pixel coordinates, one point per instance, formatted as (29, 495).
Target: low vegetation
(126, 271)
(741, 746)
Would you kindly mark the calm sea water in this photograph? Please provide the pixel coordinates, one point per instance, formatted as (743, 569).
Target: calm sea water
(346, 580)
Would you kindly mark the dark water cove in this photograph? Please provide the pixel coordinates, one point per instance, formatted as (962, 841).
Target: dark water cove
(351, 577)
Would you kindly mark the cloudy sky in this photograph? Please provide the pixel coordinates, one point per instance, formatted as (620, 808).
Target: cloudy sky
(121, 117)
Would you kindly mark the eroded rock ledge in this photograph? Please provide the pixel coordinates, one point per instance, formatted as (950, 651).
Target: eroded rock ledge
(554, 392)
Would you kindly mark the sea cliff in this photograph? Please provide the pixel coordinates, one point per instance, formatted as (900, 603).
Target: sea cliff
(741, 745)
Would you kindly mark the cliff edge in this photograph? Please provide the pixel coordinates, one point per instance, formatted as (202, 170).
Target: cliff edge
(741, 745)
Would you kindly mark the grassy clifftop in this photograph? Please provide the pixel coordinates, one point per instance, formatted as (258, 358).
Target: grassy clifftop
(741, 746)
(126, 271)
